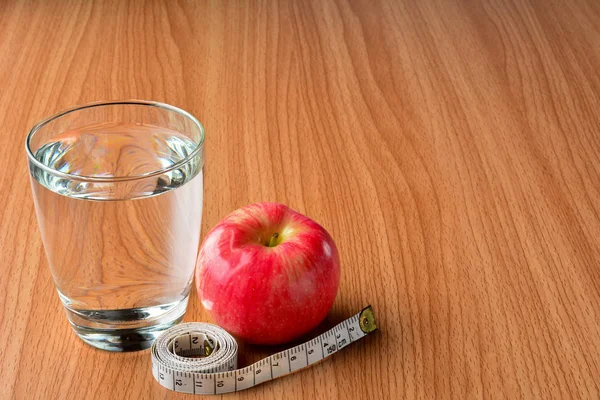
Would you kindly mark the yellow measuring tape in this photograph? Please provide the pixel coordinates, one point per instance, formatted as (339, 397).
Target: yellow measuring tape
(216, 372)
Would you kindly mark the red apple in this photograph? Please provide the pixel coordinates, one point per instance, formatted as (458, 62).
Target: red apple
(268, 274)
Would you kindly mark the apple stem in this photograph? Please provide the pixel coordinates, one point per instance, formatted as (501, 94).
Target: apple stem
(273, 240)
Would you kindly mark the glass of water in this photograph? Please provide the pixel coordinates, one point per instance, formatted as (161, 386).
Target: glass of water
(118, 188)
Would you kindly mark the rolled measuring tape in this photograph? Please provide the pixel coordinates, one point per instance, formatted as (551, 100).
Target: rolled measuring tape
(215, 371)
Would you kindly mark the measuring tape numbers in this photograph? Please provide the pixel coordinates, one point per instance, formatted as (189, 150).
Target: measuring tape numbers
(214, 368)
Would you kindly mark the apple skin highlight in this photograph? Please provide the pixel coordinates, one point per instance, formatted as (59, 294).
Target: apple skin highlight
(268, 274)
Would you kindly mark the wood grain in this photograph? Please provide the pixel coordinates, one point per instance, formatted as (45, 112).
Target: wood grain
(450, 148)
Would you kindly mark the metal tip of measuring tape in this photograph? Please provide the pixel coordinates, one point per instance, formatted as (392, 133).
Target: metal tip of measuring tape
(366, 320)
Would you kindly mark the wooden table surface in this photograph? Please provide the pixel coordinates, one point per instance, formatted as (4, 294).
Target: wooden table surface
(450, 148)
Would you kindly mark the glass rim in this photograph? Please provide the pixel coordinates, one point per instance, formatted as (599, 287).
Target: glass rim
(84, 178)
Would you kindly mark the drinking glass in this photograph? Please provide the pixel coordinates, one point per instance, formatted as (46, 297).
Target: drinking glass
(118, 189)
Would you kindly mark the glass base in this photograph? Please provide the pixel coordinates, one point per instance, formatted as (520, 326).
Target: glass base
(125, 330)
